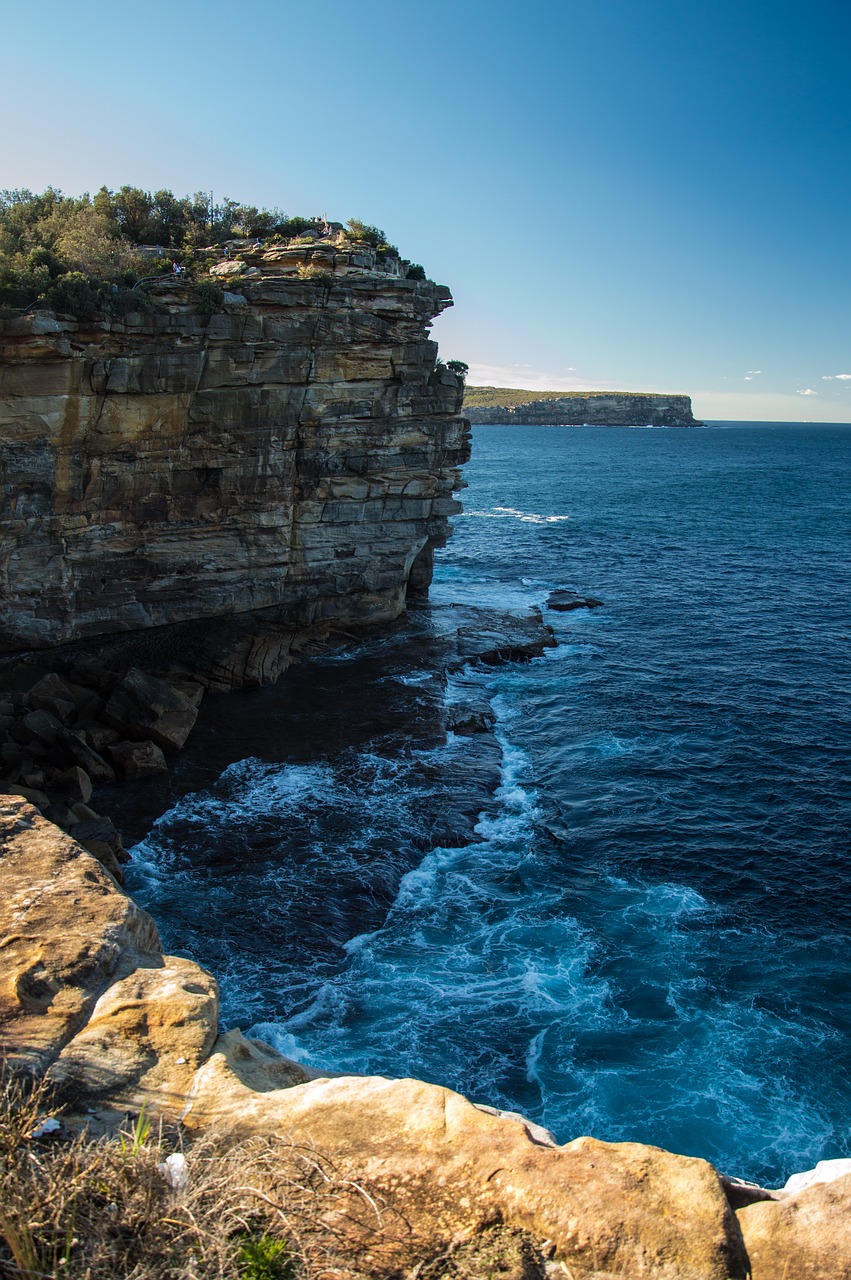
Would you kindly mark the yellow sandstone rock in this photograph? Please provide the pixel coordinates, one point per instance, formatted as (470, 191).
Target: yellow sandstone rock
(87, 997)
(804, 1237)
(66, 933)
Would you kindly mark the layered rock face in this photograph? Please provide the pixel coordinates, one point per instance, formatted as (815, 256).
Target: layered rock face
(296, 451)
(605, 409)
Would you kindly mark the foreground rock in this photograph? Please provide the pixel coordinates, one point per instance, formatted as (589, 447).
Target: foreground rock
(88, 998)
(805, 1236)
(66, 934)
(605, 1209)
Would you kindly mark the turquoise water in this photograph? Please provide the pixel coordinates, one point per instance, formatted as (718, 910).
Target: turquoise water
(651, 939)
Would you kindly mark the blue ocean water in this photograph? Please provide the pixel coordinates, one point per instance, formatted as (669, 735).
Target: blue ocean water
(651, 939)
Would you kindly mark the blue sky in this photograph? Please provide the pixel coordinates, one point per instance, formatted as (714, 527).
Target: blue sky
(641, 194)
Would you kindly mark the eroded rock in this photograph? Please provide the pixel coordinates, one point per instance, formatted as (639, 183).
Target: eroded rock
(144, 1039)
(66, 932)
(801, 1237)
(609, 1209)
(143, 707)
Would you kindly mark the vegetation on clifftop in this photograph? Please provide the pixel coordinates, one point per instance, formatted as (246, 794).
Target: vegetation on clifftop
(504, 397)
(83, 254)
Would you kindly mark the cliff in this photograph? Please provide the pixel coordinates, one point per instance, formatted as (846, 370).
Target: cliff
(294, 452)
(593, 408)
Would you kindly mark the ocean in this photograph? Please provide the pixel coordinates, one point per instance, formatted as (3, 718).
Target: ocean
(650, 938)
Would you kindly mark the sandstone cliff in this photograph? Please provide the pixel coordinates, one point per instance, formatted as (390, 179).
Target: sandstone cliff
(575, 408)
(296, 451)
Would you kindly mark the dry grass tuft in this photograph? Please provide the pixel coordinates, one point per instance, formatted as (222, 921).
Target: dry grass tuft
(74, 1207)
(82, 1208)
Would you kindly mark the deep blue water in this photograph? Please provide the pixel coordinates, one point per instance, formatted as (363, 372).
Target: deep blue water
(652, 939)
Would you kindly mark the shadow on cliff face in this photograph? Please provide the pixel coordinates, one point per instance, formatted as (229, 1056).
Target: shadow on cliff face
(386, 689)
(284, 829)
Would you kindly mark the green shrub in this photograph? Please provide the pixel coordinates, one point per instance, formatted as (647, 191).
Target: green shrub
(374, 236)
(80, 254)
(415, 272)
(315, 274)
(458, 367)
(289, 228)
(265, 1257)
(78, 294)
(208, 297)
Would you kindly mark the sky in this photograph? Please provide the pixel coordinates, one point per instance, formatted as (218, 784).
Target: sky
(647, 195)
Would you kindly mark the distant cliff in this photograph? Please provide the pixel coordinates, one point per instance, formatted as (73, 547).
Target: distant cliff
(501, 405)
(294, 451)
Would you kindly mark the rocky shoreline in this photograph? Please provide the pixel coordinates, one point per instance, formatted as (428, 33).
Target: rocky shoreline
(91, 1003)
(196, 499)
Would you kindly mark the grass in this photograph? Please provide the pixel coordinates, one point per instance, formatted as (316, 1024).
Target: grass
(497, 397)
(73, 1207)
(83, 1208)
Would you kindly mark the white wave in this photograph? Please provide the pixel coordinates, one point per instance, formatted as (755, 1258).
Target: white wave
(514, 513)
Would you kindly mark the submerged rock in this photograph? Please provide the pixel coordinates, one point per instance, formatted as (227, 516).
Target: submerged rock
(564, 601)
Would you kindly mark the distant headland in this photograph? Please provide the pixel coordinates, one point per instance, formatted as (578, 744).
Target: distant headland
(500, 405)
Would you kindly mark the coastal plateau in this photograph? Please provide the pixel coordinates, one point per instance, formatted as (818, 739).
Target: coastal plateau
(501, 406)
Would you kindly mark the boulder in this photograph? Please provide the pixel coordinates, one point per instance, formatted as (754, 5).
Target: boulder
(145, 1038)
(143, 707)
(100, 838)
(75, 746)
(61, 816)
(90, 827)
(53, 686)
(72, 785)
(801, 1237)
(43, 727)
(564, 601)
(66, 931)
(134, 760)
(98, 736)
(607, 1209)
(227, 270)
(31, 794)
(825, 1171)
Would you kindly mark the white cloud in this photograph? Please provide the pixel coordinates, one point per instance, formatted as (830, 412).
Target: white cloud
(525, 378)
(751, 374)
(836, 377)
(808, 392)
